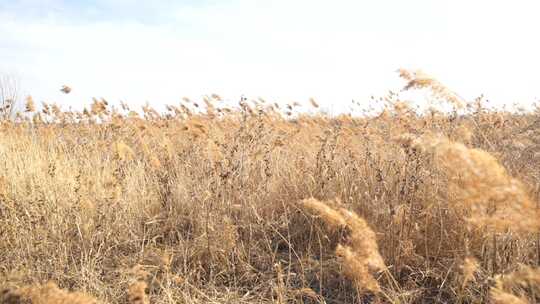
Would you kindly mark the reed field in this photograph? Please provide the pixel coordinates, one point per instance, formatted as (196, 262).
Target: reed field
(269, 204)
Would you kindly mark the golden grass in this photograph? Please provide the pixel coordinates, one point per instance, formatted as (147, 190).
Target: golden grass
(248, 206)
(357, 247)
(45, 294)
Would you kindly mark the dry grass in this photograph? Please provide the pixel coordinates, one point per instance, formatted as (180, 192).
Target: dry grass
(246, 206)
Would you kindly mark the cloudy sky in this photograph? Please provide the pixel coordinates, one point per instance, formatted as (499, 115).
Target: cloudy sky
(288, 50)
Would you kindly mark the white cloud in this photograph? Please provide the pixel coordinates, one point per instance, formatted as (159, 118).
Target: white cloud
(335, 51)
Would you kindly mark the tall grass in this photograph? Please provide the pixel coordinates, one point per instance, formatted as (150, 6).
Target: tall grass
(252, 206)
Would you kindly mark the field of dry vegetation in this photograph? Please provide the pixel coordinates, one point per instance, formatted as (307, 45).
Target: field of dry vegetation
(257, 206)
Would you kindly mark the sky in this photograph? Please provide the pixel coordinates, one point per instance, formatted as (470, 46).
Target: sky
(282, 50)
